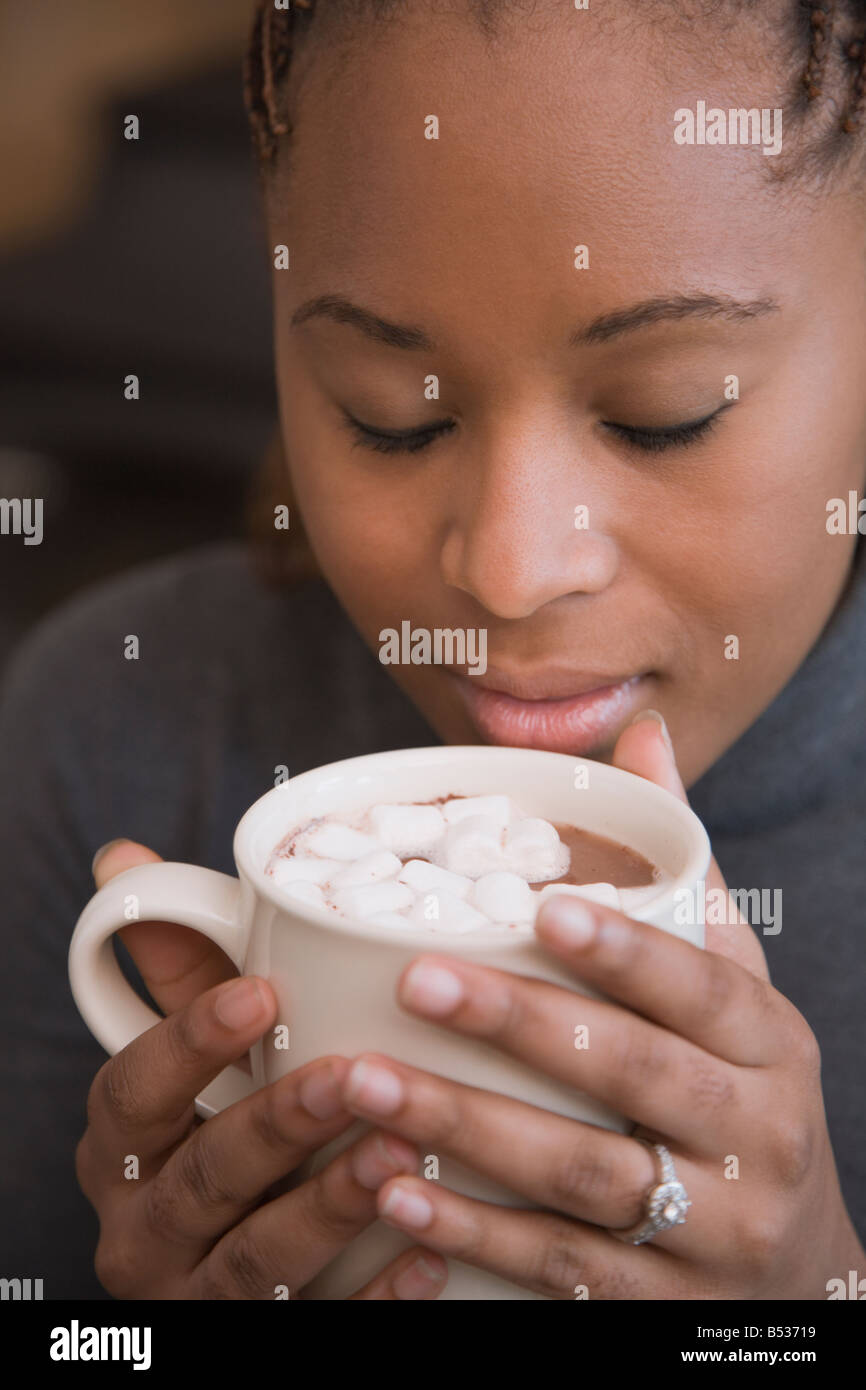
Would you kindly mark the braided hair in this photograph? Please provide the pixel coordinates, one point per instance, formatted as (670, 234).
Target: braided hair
(265, 68)
(830, 29)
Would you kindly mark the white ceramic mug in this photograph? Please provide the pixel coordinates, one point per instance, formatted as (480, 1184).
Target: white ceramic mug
(335, 980)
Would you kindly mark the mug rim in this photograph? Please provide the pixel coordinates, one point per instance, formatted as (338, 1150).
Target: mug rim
(698, 858)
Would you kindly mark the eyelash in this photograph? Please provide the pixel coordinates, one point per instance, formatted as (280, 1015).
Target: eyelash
(400, 442)
(672, 437)
(650, 441)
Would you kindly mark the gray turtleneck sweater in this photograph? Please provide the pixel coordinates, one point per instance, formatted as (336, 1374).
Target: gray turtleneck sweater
(233, 680)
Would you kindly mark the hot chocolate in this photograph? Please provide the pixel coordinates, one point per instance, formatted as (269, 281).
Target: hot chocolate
(455, 864)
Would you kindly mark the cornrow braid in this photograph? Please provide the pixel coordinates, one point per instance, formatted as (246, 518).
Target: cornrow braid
(265, 68)
(271, 41)
(822, 20)
(853, 115)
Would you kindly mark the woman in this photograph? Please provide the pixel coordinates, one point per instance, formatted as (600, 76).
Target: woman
(548, 369)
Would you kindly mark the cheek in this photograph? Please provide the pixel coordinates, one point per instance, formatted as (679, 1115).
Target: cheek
(368, 515)
(752, 528)
(364, 526)
(754, 560)
(371, 524)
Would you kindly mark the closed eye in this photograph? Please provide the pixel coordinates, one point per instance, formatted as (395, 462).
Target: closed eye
(654, 441)
(648, 440)
(396, 441)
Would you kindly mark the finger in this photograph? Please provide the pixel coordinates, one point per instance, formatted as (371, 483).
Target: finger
(708, 998)
(645, 748)
(580, 1170)
(176, 963)
(289, 1241)
(416, 1274)
(142, 1099)
(225, 1166)
(541, 1251)
(658, 1079)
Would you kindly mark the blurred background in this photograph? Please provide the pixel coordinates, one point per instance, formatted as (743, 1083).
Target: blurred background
(121, 257)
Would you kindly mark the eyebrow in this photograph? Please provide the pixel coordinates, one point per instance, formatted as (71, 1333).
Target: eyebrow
(333, 306)
(666, 309)
(412, 338)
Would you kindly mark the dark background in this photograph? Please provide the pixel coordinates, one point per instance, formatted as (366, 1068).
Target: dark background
(159, 268)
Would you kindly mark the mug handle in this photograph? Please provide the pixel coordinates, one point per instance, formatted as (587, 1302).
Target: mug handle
(207, 901)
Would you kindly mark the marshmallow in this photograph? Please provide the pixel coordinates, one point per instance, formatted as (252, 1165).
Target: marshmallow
(407, 829)
(308, 870)
(370, 868)
(486, 855)
(473, 846)
(504, 897)
(500, 808)
(534, 850)
(441, 911)
(430, 878)
(372, 898)
(335, 841)
(389, 919)
(604, 893)
(305, 892)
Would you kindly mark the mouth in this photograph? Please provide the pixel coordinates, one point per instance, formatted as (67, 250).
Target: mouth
(538, 713)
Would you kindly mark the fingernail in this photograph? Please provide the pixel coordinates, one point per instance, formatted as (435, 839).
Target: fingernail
(239, 1004)
(654, 714)
(399, 1156)
(374, 1088)
(431, 989)
(103, 849)
(415, 1281)
(569, 921)
(320, 1094)
(374, 1163)
(407, 1208)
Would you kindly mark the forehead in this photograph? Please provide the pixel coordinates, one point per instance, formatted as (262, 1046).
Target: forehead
(557, 132)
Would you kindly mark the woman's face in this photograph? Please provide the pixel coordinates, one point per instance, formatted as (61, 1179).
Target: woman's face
(552, 382)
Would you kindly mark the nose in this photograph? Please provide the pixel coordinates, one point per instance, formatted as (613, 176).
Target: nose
(512, 542)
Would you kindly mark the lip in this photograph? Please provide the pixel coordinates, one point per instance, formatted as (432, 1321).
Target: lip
(551, 683)
(575, 722)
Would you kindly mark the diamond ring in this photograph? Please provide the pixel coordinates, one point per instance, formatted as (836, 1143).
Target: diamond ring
(665, 1204)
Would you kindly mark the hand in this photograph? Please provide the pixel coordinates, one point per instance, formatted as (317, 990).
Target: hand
(200, 1220)
(695, 1046)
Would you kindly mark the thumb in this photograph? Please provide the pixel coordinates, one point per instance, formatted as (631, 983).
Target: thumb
(646, 749)
(175, 963)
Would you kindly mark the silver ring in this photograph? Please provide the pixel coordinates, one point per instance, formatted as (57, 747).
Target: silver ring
(665, 1204)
